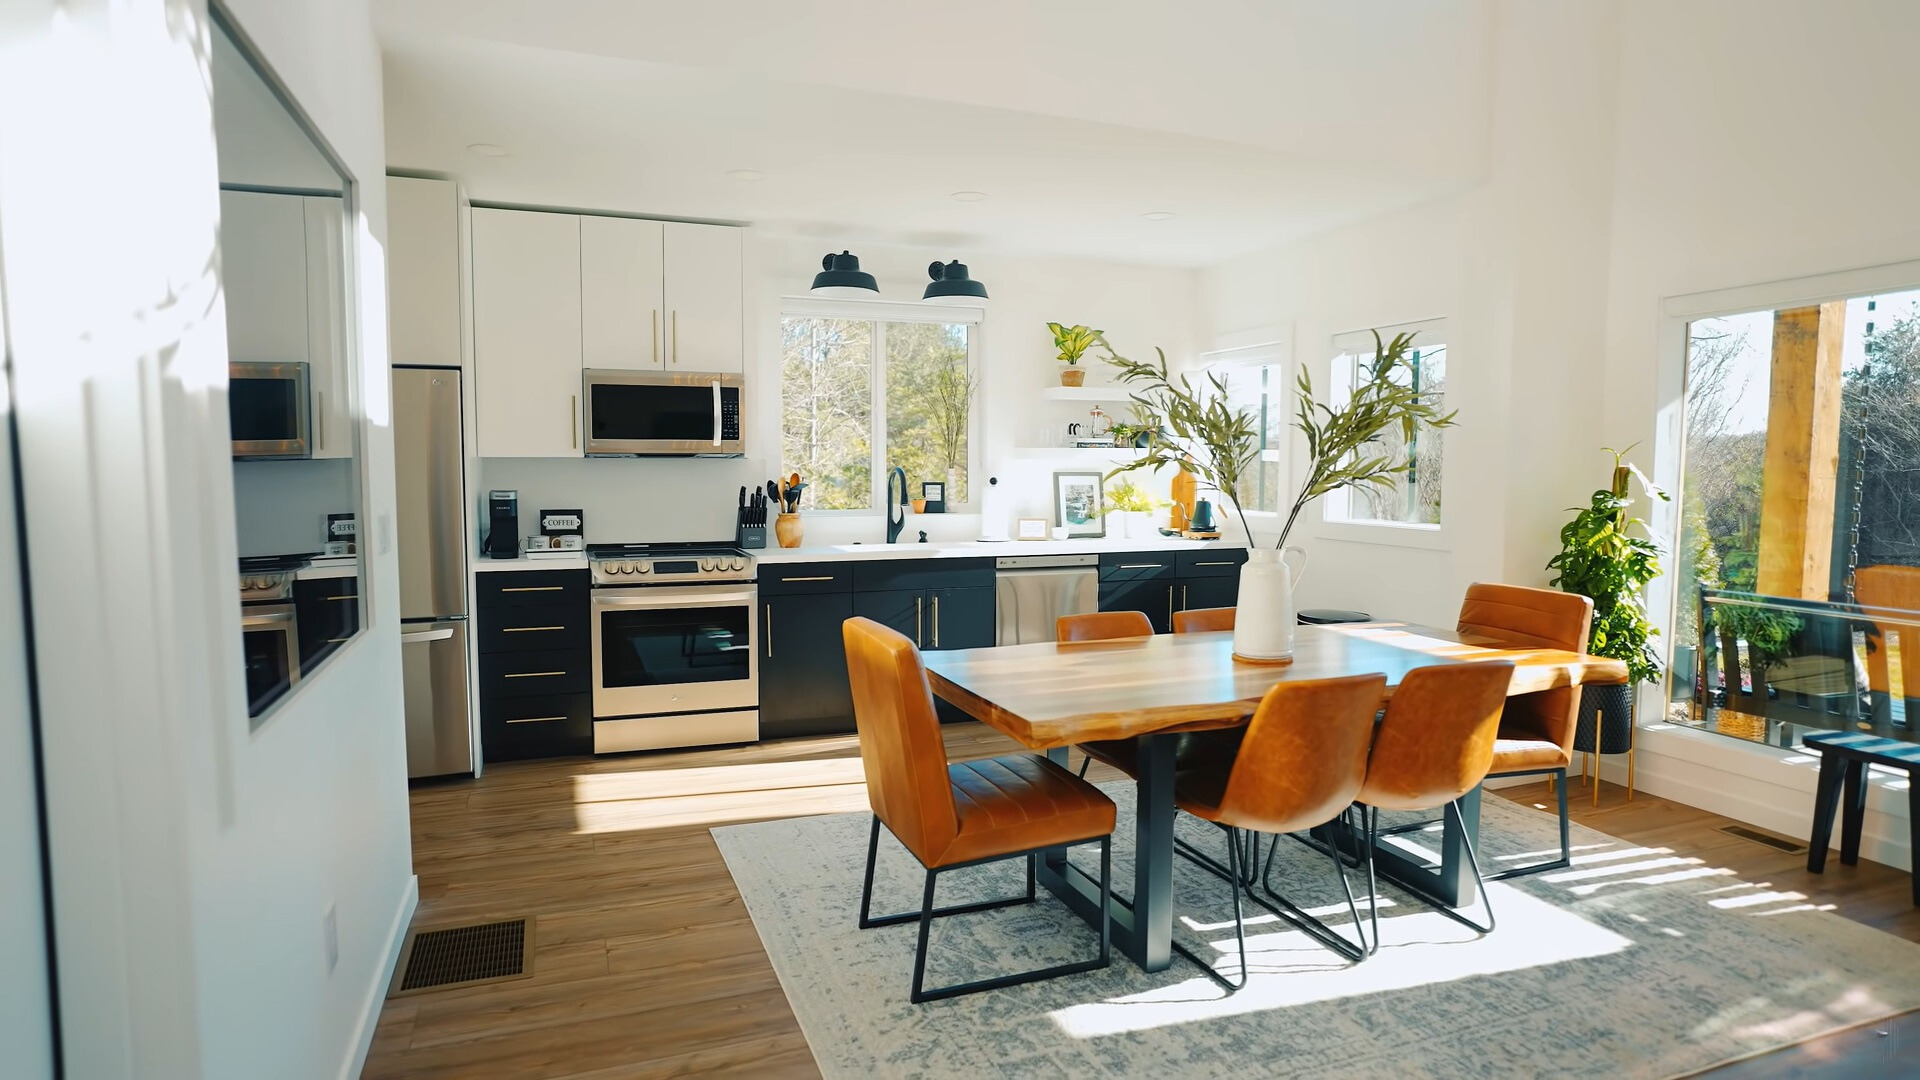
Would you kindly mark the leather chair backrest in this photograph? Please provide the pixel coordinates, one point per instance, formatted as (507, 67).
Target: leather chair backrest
(900, 745)
(1101, 625)
(1305, 754)
(1890, 589)
(1201, 620)
(1436, 740)
(1522, 617)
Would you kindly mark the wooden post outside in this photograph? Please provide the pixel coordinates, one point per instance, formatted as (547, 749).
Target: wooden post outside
(1803, 452)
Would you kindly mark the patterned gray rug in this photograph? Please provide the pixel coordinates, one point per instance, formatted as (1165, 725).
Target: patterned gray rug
(1637, 962)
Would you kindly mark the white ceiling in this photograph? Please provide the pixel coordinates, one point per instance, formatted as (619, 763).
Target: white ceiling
(1253, 121)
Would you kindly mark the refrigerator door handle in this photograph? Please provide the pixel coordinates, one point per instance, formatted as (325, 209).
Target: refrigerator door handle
(419, 636)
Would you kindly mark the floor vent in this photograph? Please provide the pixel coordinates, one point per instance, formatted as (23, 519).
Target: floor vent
(464, 955)
(1778, 843)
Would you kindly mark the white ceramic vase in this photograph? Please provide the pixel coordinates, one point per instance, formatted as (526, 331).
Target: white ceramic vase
(1136, 524)
(1263, 624)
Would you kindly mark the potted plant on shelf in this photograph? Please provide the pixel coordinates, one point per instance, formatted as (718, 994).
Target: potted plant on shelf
(1132, 510)
(1204, 435)
(1601, 558)
(1073, 343)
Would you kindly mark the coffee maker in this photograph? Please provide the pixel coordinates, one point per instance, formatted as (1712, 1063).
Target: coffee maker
(503, 525)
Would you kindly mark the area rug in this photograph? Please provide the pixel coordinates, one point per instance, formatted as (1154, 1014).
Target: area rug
(1636, 962)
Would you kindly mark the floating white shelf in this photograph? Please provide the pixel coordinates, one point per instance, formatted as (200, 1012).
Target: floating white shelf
(1076, 453)
(1086, 393)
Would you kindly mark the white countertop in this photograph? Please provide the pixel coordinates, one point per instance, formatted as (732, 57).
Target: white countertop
(974, 549)
(570, 561)
(319, 570)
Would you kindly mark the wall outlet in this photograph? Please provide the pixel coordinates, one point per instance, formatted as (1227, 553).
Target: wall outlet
(330, 937)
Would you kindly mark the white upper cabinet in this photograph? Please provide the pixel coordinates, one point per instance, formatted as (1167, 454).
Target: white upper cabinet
(703, 298)
(622, 293)
(526, 333)
(327, 368)
(423, 271)
(263, 264)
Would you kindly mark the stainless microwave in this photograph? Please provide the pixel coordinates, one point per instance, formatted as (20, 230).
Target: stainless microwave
(268, 410)
(679, 413)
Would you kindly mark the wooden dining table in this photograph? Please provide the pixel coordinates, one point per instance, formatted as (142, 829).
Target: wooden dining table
(1049, 696)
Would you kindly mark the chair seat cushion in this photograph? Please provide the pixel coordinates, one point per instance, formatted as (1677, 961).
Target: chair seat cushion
(1518, 755)
(1018, 803)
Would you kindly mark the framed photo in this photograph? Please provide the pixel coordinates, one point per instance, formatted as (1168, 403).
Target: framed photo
(935, 494)
(1030, 529)
(1079, 502)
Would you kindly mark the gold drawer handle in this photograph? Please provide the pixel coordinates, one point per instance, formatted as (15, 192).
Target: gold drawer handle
(349, 596)
(824, 577)
(537, 720)
(527, 629)
(337, 640)
(533, 674)
(1143, 565)
(534, 588)
(1222, 563)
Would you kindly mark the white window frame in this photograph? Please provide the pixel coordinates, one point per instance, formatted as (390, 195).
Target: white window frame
(880, 313)
(1359, 530)
(1268, 354)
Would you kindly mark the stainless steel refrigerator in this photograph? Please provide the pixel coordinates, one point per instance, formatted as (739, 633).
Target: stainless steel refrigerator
(430, 487)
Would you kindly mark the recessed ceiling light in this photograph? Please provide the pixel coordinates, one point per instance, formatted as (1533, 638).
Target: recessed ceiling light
(487, 149)
(745, 175)
(1157, 215)
(969, 196)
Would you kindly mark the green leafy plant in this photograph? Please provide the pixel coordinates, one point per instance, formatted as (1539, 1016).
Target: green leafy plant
(1601, 558)
(1073, 341)
(1126, 496)
(1204, 435)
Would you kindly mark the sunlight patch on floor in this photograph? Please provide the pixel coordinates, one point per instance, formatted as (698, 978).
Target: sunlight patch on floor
(1419, 948)
(612, 802)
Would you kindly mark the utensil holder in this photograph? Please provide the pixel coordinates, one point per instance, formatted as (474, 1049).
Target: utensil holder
(788, 530)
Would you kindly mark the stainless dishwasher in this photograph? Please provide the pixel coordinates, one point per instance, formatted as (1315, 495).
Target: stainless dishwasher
(1031, 591)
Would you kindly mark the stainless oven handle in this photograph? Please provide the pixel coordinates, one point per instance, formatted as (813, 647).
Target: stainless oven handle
(419, 636)
(672, 598)
(716, 412)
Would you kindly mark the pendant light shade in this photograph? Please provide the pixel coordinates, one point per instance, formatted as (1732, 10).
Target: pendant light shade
(840, 277)
(951, 285)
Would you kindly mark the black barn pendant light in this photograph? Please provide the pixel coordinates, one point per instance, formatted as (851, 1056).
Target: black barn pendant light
(840, 277)
(951, 285)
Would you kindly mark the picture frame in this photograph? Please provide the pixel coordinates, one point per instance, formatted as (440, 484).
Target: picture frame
(1031, 529)
(1080, 503)
(934, 494)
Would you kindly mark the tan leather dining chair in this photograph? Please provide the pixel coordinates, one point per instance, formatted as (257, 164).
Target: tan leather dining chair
(1201, 620)
(1303, 761)
(1536, 730)
(951, 816)
(1434, 745)
(1122, 754)
(1886, 591)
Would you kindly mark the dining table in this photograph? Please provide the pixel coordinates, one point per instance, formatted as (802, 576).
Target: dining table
(1049, 696)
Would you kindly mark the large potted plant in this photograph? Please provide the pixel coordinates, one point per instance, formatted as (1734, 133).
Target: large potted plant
(1073, 343)
(1607, 556)
(1203, 434)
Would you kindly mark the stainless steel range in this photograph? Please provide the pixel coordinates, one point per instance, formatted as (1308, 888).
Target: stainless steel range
(269, 630)
(674, 662)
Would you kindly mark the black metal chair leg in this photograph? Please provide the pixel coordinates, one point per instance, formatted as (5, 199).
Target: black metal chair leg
(868, 920)
(1084, 763)
(1566, 832)
(1314, 928)
(1473, 863)
(1235, 884)
(1370, 819)
(866, 889)
(926, 928)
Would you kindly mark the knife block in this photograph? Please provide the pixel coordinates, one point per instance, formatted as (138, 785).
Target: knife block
(749, 536)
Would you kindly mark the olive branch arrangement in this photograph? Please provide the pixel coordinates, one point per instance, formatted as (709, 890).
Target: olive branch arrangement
(1217, 443)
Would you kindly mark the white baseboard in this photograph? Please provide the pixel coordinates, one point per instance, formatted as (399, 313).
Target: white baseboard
(1763, 786)
(377, 993)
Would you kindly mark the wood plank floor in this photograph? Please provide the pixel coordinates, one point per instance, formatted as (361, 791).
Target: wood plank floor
(646, 964)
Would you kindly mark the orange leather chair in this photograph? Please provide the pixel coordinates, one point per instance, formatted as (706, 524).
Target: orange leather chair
(957, 815)
(1122, 754)
(1434, 745)
(1887, 591)
(1536, 730)
(1303, 761)
(1201, 620)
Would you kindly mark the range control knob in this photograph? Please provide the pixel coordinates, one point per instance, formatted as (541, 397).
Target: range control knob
(626, 567)
(739, 564)
(642, 567)
(706, 564)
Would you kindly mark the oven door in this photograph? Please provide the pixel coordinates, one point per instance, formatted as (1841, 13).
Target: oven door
(270, 642)
(637, 413)
(674, 649)
(267, 408)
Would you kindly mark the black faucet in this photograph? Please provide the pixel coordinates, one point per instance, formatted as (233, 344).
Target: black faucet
(896, 510)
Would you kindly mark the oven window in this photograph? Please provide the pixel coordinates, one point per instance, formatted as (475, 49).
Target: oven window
(682, 413)
(269, 659)
(264, 410)
(664, 647)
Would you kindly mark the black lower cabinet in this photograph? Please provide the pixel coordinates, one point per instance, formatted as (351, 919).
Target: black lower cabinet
(1208, 592)
(1152, 596)
(546, 725)
(328, 613)
(804, 688)
(536, 667)
(961, 618)
(904, 610)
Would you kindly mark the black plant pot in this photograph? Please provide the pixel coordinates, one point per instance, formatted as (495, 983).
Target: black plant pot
(1612, 706)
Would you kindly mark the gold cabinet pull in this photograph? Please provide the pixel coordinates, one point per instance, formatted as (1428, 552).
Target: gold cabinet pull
(1169, 605)
(653, 337)
(533, 674)
(320, 440)
(573, 420)
(533, 588)
(936, 620)
(1142, 565)
(528, 629)
(1183, 598)
(1220, 562)
(537, 720)
(349, 596)
(769, 631)
(676, 335)
(919, 639)
(822, 577)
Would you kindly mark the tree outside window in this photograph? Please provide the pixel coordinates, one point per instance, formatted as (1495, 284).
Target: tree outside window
(1413, 497)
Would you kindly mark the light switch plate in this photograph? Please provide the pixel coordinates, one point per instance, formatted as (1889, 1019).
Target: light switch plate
(330, 937)
(386, 533)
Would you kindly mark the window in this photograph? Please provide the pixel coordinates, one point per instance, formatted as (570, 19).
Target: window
(1256, 384)
(859, 397)
(1414, 497)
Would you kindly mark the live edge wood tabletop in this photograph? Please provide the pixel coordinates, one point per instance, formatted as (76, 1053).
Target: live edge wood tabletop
(1048, 695)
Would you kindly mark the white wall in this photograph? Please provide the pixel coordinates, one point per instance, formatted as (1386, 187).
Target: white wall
(281, 507)
(193, 860)
(679, 499)
(1757, 142)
